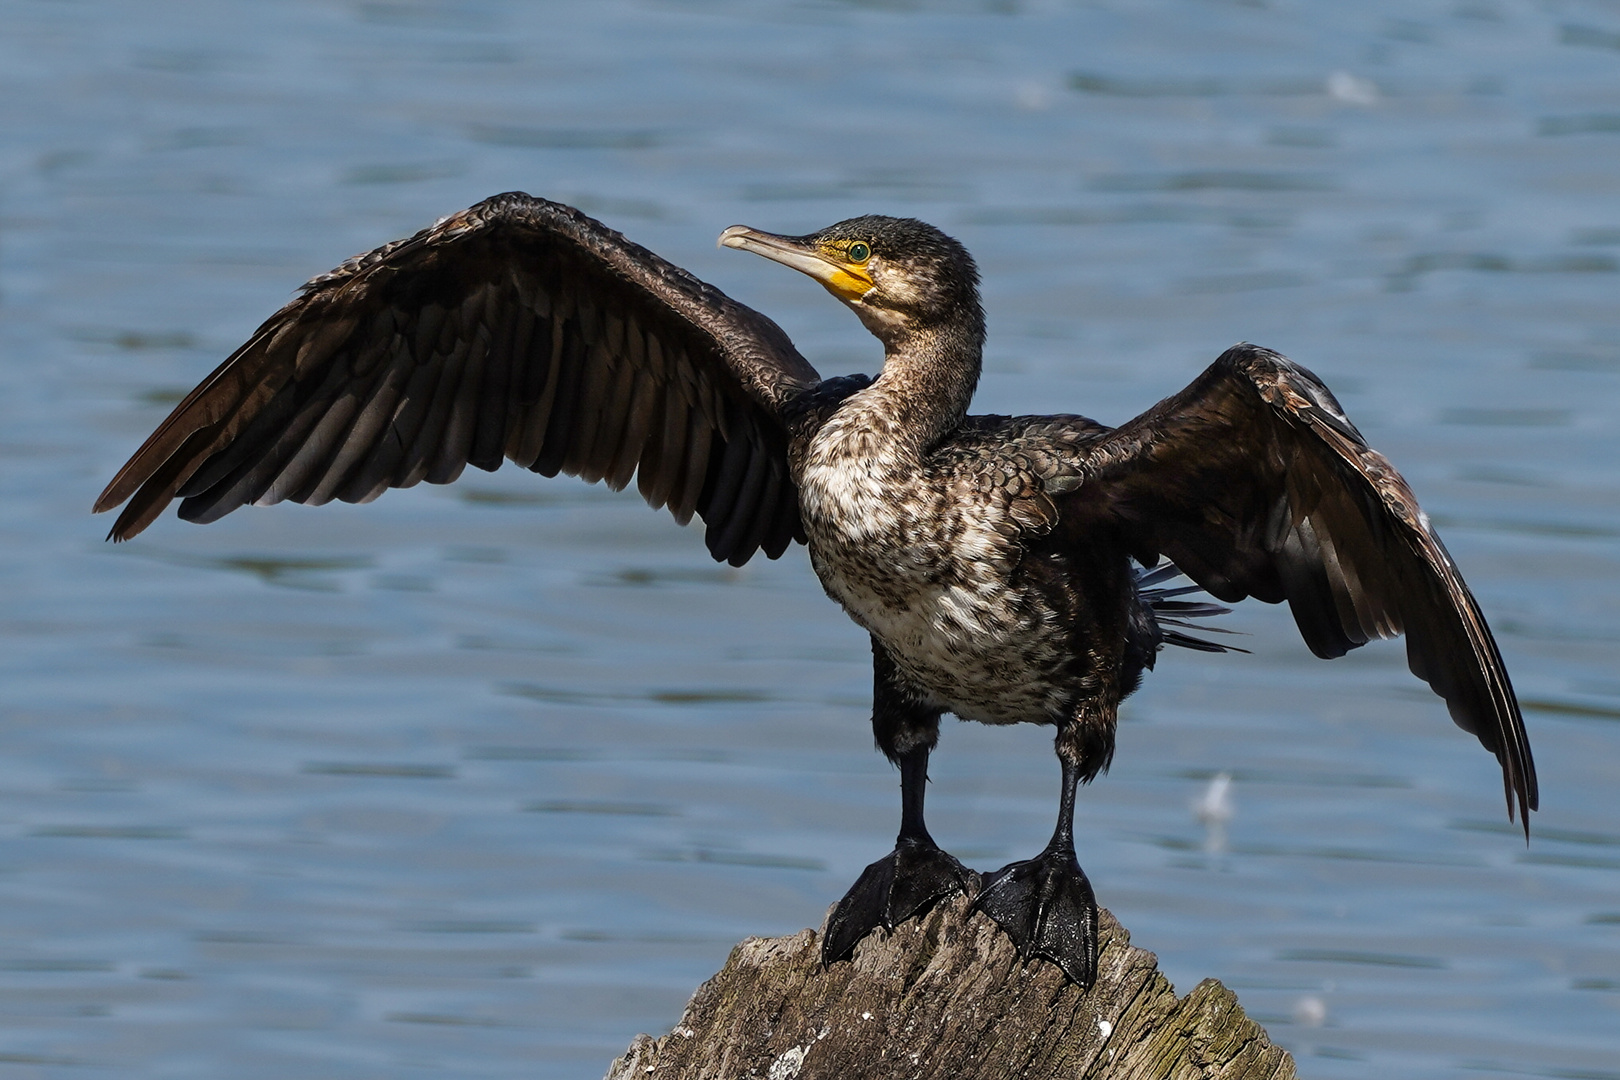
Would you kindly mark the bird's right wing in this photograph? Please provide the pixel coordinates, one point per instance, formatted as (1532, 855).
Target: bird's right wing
(1254, 483)
(517, 329)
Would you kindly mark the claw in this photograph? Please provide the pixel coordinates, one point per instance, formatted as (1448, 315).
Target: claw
(908, 881)
(1046, 906)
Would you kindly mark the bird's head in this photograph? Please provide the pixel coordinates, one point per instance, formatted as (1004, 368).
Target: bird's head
(902, 277)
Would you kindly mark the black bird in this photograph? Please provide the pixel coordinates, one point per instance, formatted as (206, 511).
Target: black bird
(999, 563)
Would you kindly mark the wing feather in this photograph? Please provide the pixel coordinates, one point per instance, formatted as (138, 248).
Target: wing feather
(551, 346)
(742, 483)
(419, 457)
(494, 405)
(610, 435)
(303, 474)
(394, 464)
(785, 526)
(450, 456)
(755, 505)
(355, 480)
(692, 474)
(528, 375)
(569, 347)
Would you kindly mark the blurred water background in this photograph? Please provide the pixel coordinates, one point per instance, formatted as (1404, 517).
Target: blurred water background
(479, 781)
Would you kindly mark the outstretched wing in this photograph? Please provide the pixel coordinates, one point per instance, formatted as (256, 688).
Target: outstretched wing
(1254, 483)
(518, 329)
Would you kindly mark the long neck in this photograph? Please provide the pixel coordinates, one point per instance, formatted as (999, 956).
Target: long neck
(928, 380)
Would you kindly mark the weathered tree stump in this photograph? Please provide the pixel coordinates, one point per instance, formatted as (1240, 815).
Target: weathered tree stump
(946, 996)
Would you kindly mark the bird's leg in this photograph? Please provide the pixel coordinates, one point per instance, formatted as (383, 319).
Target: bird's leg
(906, 882)
(916, 874)
(1045, 904)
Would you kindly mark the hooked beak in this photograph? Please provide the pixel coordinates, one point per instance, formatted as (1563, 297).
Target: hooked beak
(847, 282)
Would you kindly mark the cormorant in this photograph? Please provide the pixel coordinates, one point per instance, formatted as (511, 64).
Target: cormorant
(999, 563)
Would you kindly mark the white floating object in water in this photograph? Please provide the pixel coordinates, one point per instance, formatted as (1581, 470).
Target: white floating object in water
(1310, 1010)
(1351, 89)
(1214, 810)
(1033, 96)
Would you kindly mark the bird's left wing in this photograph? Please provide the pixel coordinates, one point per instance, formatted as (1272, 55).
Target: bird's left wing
(1254, 483)
(518, 329)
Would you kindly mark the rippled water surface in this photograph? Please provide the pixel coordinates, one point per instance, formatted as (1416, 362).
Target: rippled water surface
(482, 780)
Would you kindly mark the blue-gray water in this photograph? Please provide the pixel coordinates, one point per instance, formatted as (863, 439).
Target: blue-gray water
(480, 781)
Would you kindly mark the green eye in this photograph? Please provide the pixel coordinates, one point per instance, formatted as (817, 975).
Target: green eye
(859, 252)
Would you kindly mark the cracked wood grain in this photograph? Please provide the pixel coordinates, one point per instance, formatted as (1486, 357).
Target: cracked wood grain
(946, 996)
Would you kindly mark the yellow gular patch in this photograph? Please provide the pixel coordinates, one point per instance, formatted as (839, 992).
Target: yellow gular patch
(848, 285)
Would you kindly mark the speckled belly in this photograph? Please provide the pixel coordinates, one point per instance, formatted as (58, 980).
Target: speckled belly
(926, 561)
(956, 629)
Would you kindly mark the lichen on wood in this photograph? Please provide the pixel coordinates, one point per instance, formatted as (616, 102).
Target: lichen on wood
(946, 997)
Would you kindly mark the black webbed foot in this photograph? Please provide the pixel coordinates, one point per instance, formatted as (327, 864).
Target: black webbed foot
(1046, 906)
(908, 881)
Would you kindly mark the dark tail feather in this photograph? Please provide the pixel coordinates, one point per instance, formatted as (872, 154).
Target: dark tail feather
(1146, 578)
(1183, 609)
(1175, 637)
(1169, 613)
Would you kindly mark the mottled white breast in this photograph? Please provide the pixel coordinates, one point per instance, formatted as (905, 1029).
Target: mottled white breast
(917, 561)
